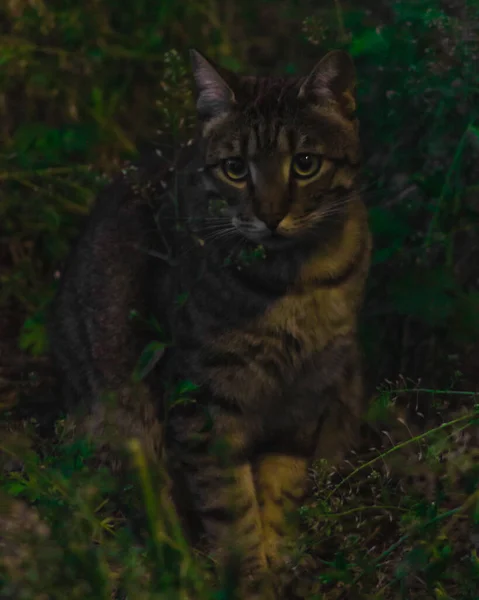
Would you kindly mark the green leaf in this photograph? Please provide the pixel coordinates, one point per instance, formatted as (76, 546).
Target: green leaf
(230, 63)
(156, 326)
(186, 387)
(15, 488)
(474, 136)
(181, 299)
(33, 336)
(182, 394)
(148, 359)
(369, 42)
(379, 408)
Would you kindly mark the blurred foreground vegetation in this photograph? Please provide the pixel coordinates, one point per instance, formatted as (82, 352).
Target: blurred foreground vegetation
(85, 87)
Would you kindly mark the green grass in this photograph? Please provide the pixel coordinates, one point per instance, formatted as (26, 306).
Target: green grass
(77, 531)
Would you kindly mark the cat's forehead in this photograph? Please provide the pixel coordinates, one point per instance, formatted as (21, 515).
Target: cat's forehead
(268, 96)
(265, 117)
(270, 118)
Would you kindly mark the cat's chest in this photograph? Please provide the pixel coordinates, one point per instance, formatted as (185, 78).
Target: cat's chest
(313, 318)
(260, 359)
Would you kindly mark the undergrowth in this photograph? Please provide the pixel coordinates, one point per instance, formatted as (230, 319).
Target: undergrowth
(70, 529)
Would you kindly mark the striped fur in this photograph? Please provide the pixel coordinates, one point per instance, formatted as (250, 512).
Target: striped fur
(266, 329)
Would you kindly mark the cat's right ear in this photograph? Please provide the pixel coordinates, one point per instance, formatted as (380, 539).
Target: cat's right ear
(214, 96)
(334, 76)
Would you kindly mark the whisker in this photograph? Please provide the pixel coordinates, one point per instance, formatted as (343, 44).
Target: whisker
(211, 225)
(219, 235)
(238, 246)
(200, 224)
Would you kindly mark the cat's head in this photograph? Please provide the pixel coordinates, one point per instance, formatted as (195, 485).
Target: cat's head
(281, 155)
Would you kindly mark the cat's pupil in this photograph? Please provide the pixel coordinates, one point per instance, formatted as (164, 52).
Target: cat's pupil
(304, 161)
(235, 166)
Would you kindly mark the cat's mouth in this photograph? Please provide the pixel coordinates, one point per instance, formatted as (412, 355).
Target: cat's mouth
(278, 241)
(256, 230)
(268, 238)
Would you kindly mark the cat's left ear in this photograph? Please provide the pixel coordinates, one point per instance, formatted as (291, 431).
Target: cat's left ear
(214, 94)
(333, 76)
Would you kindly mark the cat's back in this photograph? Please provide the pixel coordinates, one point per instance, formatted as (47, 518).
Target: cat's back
(94, 340)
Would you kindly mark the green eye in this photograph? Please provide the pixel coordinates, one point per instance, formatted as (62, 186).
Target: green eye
(305, 166)
(235, 168)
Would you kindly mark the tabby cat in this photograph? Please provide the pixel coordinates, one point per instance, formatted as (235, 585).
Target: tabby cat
(251, 247)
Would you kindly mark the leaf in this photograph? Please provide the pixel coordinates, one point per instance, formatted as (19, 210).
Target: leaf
(181, 299)
(474, 136)
(148, 359)
(369, 42)
(182, 393)
(33, 336)
(156, 326)
(440, 593)
(79, 138)
(15, 488)
(185, 387)
(379, 408)
(229, 62)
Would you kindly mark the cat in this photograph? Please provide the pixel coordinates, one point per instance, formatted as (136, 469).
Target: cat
(251, 248)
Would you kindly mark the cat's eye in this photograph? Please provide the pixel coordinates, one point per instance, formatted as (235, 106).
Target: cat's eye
(235, 168)
(305, 166)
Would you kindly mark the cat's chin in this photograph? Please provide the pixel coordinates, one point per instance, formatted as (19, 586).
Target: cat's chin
(273, 241)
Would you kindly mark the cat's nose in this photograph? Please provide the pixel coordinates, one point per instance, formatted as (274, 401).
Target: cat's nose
(272, 221)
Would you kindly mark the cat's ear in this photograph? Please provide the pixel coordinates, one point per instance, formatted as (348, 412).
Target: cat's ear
(334, 76)
(214, 95)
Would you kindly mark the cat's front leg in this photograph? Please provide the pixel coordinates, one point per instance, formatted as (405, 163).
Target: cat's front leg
(282, 483)
(208, 459)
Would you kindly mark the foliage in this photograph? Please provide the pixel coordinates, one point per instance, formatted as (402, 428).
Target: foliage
(364, 530)
(88, 549)
(419, 101)
(85, 87)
